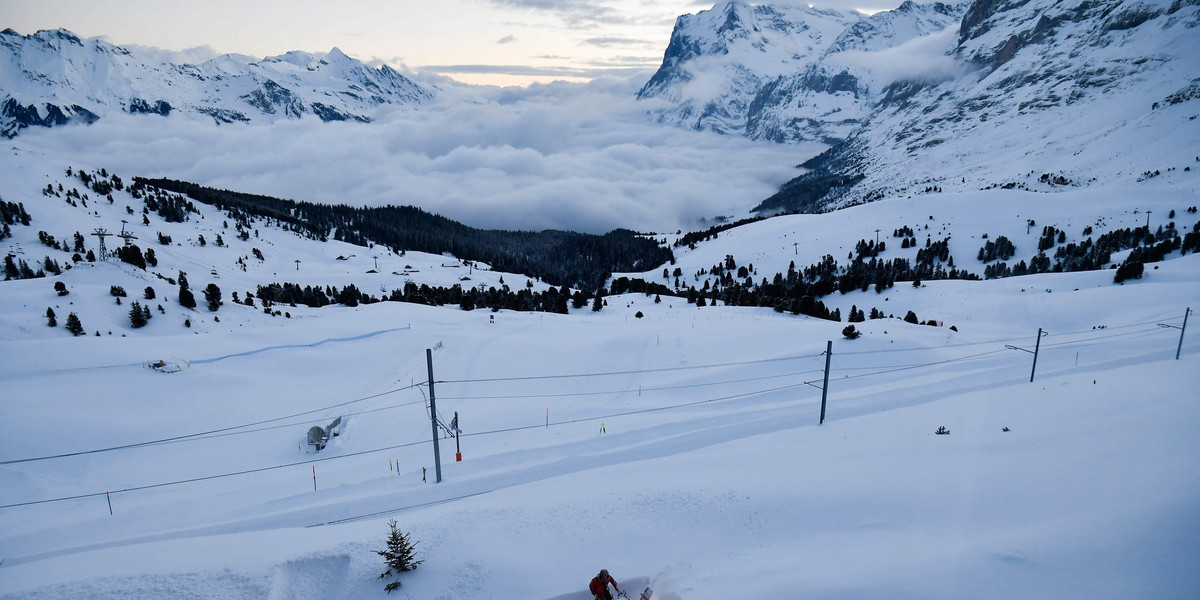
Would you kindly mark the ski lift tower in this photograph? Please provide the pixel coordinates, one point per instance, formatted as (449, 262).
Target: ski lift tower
(125, 235)
(102, 233)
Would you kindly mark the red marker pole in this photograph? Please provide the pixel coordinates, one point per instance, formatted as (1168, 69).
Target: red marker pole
(314, 478)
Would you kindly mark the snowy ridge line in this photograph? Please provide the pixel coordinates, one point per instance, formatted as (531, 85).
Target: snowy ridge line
(400, 509)
(633, 371)
(203, 361)
(627, 390)
(202, 433)
(356, 338)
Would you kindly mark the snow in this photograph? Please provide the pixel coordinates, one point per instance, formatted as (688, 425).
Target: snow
(712, 479)
(681, 448)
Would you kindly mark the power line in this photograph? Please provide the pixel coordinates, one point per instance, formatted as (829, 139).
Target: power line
(201, 433)
(630, 390)
(634, 412)
(629, 372)
(230, 430)
(211, 477)
(286, 425)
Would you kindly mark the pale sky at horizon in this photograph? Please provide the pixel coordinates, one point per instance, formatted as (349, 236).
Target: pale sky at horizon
(500, 42)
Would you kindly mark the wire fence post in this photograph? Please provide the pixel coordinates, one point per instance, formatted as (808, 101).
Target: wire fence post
(825, 385)
(437, 454)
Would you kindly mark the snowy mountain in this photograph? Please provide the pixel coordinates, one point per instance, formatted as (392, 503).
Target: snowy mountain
(1033, 94)
(53, 77)
(170, 459)
(782, 73)
(1051, 94)
(1031, 433)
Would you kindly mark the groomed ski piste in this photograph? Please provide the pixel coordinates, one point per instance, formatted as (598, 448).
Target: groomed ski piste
(681, 450)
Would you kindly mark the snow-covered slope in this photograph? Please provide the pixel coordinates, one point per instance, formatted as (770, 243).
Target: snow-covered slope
(830, 98)
(54, 77)
(712, 475)
(784, 72)
(1051, 93)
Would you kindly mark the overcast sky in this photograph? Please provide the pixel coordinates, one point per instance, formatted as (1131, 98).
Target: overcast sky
(501, 42)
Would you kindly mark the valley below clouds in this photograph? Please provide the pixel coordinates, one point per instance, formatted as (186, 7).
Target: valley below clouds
(582, 157)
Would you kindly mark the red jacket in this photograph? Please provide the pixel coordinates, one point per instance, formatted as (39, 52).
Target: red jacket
(599, 588)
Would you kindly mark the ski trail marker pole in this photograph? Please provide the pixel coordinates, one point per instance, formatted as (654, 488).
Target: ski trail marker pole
(314, 478)
(108, 497)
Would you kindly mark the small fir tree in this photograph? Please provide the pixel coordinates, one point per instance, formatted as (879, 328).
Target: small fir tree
(137, 316)
(186, 298)
(212, 295)
(73, 324)
(50, 320)
(399, 555)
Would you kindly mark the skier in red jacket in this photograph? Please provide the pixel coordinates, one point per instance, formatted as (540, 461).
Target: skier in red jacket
(599, 586)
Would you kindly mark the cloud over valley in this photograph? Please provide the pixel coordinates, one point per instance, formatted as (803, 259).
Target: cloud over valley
(581, 157)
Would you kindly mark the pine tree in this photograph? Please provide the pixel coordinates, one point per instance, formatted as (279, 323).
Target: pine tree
(399, 555)
(73, 324)
(137, 316)
(186, 298)
(50, 320)
(212, 295)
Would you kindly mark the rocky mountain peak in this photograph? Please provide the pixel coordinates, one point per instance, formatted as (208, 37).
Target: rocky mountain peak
(53, 77)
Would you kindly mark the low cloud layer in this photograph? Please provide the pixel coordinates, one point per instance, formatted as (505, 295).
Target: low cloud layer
(582, 157)
(925, 58)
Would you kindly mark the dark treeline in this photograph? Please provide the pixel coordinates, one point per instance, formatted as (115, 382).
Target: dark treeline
(1090, 255)
(799, 290)
(692, 238)
(11, 214)
(552, 300)
(577, 260)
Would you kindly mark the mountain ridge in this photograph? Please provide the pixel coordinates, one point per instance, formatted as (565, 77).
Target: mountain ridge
(54, 77)
(1095, 92)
